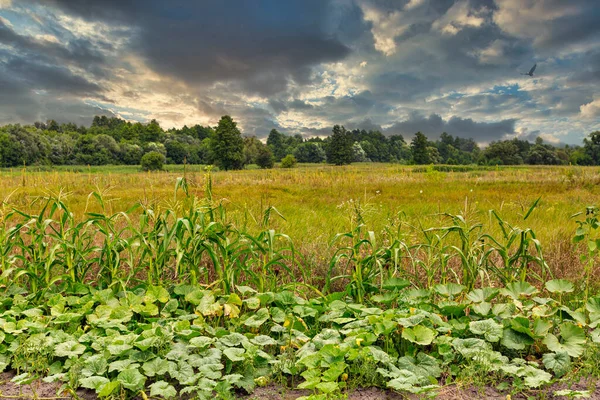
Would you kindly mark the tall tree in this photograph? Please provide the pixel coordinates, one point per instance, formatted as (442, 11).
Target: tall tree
(591, 147)
(227, 145)
(309, 152)
(419, 150)
(340, 149)
(276, 141)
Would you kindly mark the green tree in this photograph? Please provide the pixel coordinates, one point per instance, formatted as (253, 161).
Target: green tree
(276, 141)
(418, 147)
(252, 147)
(153, 161)
(152, 132)
(97, 150)
(541, 154)
(227, 145)
(340, 149)
(62, 149)
(264, 157)
(177, 152)
(591, 147)
(309, 152)
(505, 152)
(359, 154)
(131, 154)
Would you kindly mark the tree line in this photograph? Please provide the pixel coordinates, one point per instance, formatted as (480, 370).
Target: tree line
(116, 141)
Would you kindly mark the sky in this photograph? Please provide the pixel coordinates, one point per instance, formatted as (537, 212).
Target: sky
(301, 66)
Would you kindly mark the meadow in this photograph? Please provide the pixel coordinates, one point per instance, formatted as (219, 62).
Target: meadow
(317, 201)
(209, 284)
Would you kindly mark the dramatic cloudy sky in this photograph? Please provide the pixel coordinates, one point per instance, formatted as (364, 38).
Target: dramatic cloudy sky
(303, 65)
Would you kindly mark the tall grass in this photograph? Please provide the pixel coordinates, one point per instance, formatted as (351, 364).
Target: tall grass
(192, 239)
(309, 197)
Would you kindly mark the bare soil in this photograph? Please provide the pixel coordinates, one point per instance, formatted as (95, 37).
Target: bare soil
(39, 390)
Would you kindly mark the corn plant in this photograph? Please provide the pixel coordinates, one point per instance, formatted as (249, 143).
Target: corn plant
(471, 251)
(364, 263)
(516, 262)
(587, 232)
(115, 234)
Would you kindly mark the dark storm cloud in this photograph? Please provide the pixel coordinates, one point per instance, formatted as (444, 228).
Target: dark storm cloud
(588, 71)
(36, 83)
(434, 125)
(80, 52)
(263, 45)
(573, 29)
(19, 103)
(59, 80)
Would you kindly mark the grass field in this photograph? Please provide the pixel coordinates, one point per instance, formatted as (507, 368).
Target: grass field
(320, 201)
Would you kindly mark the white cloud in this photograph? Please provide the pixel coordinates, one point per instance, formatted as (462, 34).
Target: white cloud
(386, 27)
(591, 110)
(414, 4)
(493, 54)
(6, 22)
(458, 16)
(5, 4)
(47, 38)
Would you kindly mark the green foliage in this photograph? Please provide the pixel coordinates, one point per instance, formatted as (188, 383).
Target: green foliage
(288, 161)
(264, 158)
(116, 141)
(227, 145)
(340, 147)
(152, 161)
(310, 152)
(419, 146)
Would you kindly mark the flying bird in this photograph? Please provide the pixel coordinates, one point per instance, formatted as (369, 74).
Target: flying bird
(530, 73)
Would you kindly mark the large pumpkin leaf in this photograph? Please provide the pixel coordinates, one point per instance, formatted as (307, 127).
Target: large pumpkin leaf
(514, 340)
(490, 329)
(93, 382)
(517, 290)
(156, 293)
(449, 290)
(419, 334)
(572, 339)
(131, 379)
(156, 366)
(559, 286)
(234, 353)
(94, 365)
(258, 318)
(481, 295)
(559, 363)
(162, 389)
(69, 349)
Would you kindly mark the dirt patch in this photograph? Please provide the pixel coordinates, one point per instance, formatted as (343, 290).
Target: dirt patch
(37, 390)
(42, 390)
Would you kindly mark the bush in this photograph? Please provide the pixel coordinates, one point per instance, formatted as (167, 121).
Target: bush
(288, 161)
(153, 161)
(264, 158)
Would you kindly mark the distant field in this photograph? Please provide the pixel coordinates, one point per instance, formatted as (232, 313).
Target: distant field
(317, 201)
